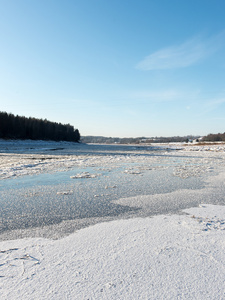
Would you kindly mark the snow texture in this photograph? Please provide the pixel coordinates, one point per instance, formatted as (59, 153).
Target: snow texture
(163, 257)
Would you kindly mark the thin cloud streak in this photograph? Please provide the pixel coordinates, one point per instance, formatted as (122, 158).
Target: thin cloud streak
(214, 104)
(156, 96)
(184, 55)
(211, 106)
(217, 102)
(165, 95)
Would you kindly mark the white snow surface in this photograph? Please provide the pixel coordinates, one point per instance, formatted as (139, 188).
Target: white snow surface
(163, 257)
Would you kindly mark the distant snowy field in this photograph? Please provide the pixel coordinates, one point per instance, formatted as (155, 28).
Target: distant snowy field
(168, 256)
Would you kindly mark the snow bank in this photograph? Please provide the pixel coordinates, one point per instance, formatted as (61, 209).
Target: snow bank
(164, 257)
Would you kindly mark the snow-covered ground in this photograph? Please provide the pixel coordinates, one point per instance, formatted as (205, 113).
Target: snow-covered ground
(166, 256)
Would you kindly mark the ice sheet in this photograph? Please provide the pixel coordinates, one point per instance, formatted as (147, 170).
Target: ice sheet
(49, 195)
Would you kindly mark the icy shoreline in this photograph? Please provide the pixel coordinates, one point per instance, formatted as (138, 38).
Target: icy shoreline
(82, 185)
(22, 158)
(166, 256)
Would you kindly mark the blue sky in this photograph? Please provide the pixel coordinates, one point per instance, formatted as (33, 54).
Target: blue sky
(120, 68)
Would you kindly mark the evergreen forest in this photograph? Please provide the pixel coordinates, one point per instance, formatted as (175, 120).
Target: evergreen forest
(17, 127)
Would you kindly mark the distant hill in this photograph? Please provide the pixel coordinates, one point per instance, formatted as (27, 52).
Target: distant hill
(138, 140)
(17, 127)
(218, 137)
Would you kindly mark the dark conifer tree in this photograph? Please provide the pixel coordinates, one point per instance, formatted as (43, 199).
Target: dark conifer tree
(16, 127)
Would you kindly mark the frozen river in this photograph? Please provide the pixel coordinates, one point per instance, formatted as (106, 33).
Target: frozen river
(52, 189)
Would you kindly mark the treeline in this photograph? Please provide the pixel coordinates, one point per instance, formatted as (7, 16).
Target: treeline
(173, 139)
(218, 137)
(138, 140)
(16, 127)
(108, 140)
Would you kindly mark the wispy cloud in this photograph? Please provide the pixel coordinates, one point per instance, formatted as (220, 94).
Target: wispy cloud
(183, 55)
(216, 102)
(212, 105)
(156, 96)
(166, 95)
